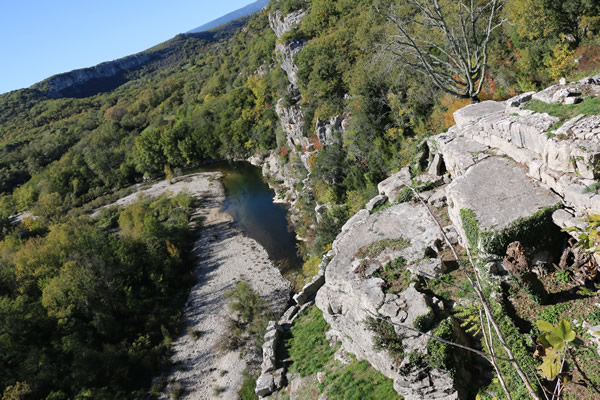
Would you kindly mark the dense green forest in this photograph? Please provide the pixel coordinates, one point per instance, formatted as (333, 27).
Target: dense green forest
(67, 281)
(87, 312)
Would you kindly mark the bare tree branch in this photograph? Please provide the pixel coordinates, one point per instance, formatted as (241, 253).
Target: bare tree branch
(446, 40)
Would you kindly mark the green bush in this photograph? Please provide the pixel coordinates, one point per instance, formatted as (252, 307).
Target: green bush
(249, 320)
(385, 338)
(405, 195)
(374, 249)
(439, 354)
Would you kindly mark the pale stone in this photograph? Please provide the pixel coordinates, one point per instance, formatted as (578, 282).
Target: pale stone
(279, 379)
(498, 193)
(321, 377)
(572, 100)
(282, 24)
(474, 112)
(392, 186)
(518, 100)
(438, 198)
(428, 267)
(376, 202)
(346, 301)
(435, 168)
(265, 385)
(309, 290)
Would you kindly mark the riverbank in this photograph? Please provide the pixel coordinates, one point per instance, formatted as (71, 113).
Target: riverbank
(223, 256)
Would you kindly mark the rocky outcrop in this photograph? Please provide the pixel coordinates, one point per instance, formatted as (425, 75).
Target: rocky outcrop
(508, 173)
(289, 112)
(288, 50)
(492, 198)
(279, 175)
(281, 24)
(291, 117)
(330, 132)
(287, 53)
(110, 73)
(266, 382)
(354, 291)
(292, 123)
(565, 160)
(392, 186)
(572, 93)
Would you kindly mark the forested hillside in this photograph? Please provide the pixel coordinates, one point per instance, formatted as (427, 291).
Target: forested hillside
(215, 97)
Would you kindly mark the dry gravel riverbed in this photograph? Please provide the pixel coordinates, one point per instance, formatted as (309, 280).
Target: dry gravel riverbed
(223, 257)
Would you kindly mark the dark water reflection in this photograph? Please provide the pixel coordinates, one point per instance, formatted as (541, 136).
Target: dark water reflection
(249, 200)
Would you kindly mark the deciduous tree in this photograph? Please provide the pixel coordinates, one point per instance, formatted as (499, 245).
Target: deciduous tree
(446, 41)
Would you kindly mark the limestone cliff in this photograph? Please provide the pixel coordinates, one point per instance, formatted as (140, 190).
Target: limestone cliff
(108, 75)
(282, 173)
(500, 172)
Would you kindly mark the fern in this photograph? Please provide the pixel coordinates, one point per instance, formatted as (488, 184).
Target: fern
(471, 318)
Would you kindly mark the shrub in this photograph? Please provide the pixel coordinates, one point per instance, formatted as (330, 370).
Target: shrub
(374, 249)
(405, 195)
(250, 318)
(385, 338)
(438, 353)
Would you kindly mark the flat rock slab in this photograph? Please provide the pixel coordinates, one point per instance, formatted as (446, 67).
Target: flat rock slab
(474, 112)
(498, 193)
(461, 153)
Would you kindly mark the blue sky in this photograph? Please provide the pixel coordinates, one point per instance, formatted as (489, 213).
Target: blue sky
(40, 38)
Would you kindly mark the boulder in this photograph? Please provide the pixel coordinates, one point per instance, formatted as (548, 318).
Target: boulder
(438, 198)
(460, 153)
(309, 290)
(435, 167)
(494, 196)
(519, 100)
(288, 315)
(567, 219)
(279, 378)
(393, 185)
(428, 267)
(265, 385)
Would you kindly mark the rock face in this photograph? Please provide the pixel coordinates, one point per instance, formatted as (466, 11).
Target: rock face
(288, 50)
(329, 132)
(287, 53)
(67, 84)
(283, 24)
(288, 110)
(353, 292)
(282, 175)
(292, 122)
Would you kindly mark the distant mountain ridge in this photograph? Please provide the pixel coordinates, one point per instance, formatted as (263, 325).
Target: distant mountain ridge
(242, 12)
(109, 75)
